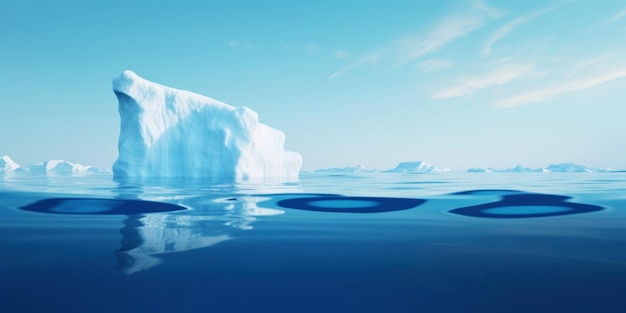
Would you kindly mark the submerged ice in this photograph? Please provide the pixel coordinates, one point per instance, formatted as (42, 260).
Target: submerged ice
(166, 132)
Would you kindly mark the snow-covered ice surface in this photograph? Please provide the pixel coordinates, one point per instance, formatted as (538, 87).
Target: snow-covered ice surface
(166, 132)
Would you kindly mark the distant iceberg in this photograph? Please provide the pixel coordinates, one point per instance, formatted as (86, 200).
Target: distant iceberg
(417, 167)
(517, 169)
(351, 169)
(568, 168)
(59, 167)
(552, 168)
(166, 132)
(50, 167)
(8, 165)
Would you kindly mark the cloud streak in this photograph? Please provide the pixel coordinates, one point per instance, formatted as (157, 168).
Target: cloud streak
(620, 15)
(443, 33)
(237, 44)
(499, 76)
(435, 65)
(554, 91)
(371, 58)
(504, 31)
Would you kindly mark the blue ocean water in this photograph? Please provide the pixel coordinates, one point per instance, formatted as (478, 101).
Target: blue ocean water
(372, 242)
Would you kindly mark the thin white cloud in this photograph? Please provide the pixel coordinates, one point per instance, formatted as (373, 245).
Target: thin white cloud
(340, 54)
(499, 76)
(544, 94)
(368, 59)
(603, 61)
(237, 44)
(313, 49)
(491, 11)
(434, 65)
(443, 33)
(503, 31)
(614, 18)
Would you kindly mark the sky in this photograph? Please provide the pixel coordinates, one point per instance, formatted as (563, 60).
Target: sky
(459, 84)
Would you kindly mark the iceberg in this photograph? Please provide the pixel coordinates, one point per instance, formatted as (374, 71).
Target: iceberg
(349, 169)
(552, 168)
(517, 169)
(417, 167)
(60, 167)
(166, 132)
(568, 168)
(50, 167)
(8, 165)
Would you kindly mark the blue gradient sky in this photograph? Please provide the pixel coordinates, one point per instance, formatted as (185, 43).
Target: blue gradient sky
(455, 83)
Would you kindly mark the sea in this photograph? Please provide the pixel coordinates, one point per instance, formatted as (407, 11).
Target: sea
(355, 242)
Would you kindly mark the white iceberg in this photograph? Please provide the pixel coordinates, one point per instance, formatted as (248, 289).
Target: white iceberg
(552, 168)
(8, 165)
(568, 168)
(60, 167)
(166, 132)
(417, 167)
(349, 169)
(517, 169)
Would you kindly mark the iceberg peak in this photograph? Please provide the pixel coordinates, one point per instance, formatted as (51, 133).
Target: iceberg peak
(7, 164)
(167, 132)
(417, 167)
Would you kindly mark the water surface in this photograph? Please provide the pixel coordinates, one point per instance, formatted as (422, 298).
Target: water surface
(379, 242)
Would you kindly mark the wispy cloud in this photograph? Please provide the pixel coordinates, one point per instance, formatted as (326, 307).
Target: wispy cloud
(544, 94)
(434, 65)
(439, 36)
(340, 54)
(490, 11)
(436, 38)
(499, 76)
(367, 59)
(614, 18)
(504, 30)
(312, 49)
(237, 44)
(446, 31)
(603, 61)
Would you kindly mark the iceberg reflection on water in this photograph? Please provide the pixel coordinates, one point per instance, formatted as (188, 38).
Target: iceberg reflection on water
(145, 234)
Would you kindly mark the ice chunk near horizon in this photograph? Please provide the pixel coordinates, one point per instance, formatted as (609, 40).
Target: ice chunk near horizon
(567, 168)
(7, 164)
(552, 168)
(60, 167)
(349, 169)
(516, 169)
(167, 132)
(50, 167)
(417, 167)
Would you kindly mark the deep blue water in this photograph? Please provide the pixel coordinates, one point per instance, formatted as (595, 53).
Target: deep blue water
(465, 242)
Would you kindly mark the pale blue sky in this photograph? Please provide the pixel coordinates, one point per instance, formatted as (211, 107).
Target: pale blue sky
(455, 83)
